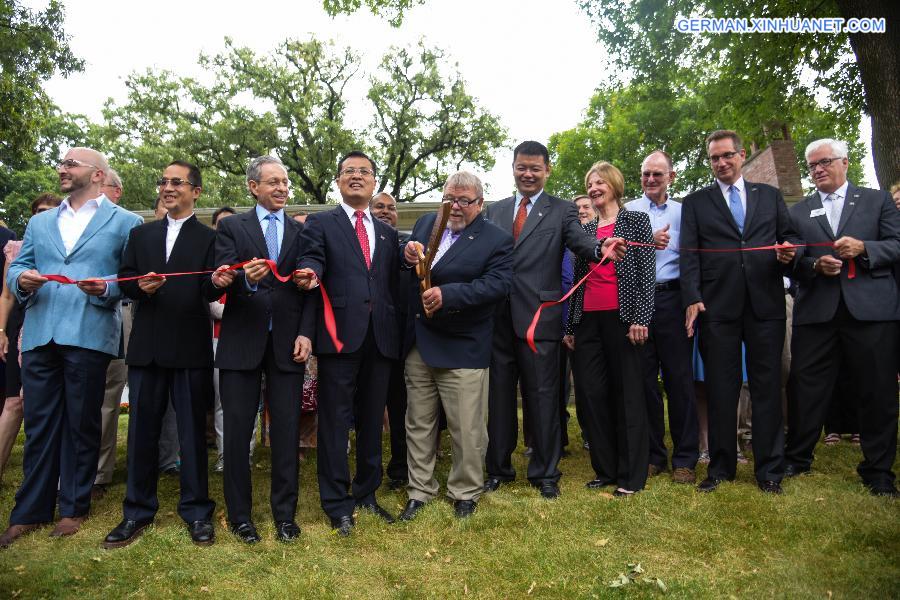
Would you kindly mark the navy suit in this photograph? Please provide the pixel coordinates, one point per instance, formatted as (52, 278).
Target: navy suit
(353, 383)
(743, 293)
(842, 322)
(474, 274)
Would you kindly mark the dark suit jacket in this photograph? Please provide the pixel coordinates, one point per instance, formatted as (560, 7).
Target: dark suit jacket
(245, 322)
(171, 328)
(330, 248)
(551, 227)
(868, 215)
(474, 274)
(724, 280)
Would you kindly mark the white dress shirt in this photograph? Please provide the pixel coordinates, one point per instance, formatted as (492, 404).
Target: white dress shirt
(528, 207)
(172, 232)
(72, 224)
(834, 208)
(367, 223)
(742, 192)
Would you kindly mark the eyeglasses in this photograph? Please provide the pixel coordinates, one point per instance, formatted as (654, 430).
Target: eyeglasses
(350, 171)
(649, 174)
(824, 163)
(714, 158)
(71, 163)
(463, 202)
(275, 182)
(175, 181)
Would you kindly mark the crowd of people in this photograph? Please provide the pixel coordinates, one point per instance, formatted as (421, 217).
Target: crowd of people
(335, 321)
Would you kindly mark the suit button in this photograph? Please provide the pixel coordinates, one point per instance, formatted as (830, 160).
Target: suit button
(418, 315)
(66, 261)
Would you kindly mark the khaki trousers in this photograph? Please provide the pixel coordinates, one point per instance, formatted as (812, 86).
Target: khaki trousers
(463, 394)
(116, 377)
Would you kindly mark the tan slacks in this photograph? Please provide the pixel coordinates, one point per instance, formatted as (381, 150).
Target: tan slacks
(463, 394)
(116, 378)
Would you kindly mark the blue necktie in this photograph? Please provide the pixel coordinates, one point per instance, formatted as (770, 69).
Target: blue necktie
(737, 209)
(272, 237)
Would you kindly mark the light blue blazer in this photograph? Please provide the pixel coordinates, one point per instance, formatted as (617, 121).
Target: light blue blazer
(63, 313)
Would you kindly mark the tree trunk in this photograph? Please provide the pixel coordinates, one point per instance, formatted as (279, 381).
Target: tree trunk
(878, 58)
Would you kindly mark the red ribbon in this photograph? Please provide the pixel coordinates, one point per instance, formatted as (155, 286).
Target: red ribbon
(330, 323)
(529, 333)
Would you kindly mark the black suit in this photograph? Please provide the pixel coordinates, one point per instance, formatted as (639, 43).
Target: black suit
(170, 356)
(840, 321)
(396, 396)
(743, 293)
(257, 335)
(353, 383)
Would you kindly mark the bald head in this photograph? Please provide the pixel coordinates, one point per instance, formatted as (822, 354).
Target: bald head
(81, 175)
(657, 174)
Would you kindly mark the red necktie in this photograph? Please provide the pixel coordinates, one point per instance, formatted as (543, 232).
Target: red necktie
(520, 218)
(363, 237)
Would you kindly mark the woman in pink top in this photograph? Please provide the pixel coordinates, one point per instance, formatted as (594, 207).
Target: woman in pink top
(608, 319)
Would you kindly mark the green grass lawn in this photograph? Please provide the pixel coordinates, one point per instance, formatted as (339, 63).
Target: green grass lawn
(825, 537)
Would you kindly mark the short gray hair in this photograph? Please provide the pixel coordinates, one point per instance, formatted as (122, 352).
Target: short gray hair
(837, 146)
(112, 176)
(256, 165)
(464, 179)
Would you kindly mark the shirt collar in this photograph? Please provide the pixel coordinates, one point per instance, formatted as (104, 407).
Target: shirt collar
(652, 204)
(841, 192)
(531, 199)
(262, 212)
(181, 221)
(351, 211)
(739, 184)
(64, 205)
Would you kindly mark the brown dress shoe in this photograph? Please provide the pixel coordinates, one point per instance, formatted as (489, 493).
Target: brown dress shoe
(14, 532)
(67, 526)
(684, 475)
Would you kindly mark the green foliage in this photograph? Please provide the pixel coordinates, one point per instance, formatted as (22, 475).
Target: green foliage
(391, 10)
(292, 102)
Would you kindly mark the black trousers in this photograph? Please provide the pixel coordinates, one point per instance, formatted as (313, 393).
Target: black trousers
(239, 392)
(512, 360)
(64, 386)
(869, 349)
(564, 389)
(842, 416)
(720, 347)
(352, 390)
(609, 376)
(149, 390)
(396, 410)
(669, 350)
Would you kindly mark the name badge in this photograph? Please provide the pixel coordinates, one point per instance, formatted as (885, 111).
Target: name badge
(816, 213)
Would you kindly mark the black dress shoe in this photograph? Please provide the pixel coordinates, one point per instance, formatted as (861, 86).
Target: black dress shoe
(795, 470)
(709, 484)
(246, 532)
(202, 533)
(343, 525)
(125, 532)
(492, 484)
(596, 484)
(769, 487)
(549, 490)
(286, 531)
(411, 509)
(464, 508)
(375, 509)
(397, 484)
(886, 490)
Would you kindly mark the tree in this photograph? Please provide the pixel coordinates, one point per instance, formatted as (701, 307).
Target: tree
(764, 76)
(625, 123)
(33, 48)
(292, 103)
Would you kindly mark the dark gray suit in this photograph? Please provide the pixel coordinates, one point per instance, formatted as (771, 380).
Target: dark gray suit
(852, 320)
(551, 227)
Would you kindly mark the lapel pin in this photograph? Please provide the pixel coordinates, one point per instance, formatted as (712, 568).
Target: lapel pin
(856, 195)
(471, 237)
(540, 214)
(382, 237)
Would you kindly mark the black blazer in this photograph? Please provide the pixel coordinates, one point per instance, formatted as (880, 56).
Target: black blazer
(171, 328)
(330, 248)
(474, 274)
(868, 215)
(635, 274)
(723, 280)
(245, 322)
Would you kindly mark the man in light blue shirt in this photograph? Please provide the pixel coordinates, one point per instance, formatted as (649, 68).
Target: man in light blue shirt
(668, 349)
